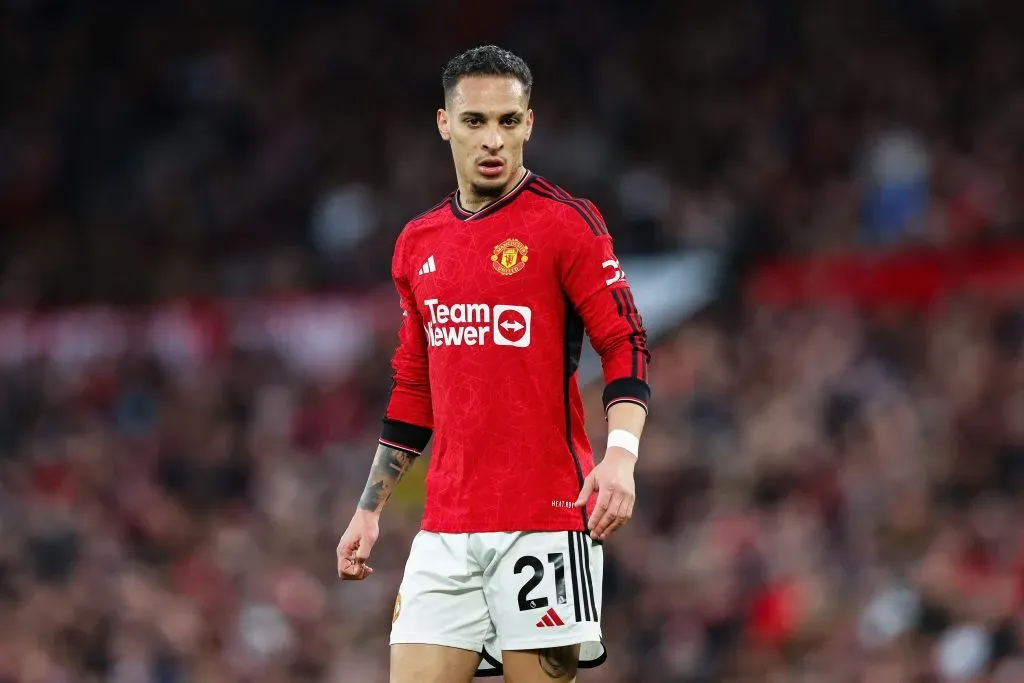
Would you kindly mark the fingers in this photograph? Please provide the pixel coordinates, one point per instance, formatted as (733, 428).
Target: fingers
(352, 557)
(614, 508)
(589, 486)
(600, 519)
(353, 570)
(620, 517)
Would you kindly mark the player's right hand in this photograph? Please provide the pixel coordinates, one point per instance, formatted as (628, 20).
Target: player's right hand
(355, 546)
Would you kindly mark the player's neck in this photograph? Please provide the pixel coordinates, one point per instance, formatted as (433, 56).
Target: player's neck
(471, 202)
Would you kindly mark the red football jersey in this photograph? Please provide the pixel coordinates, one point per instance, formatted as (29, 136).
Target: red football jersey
(495, 305)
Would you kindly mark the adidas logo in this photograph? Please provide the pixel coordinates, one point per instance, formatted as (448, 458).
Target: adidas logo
(551, 618)
(428, 267)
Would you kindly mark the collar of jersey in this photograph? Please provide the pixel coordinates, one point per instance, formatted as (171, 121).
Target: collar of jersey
(494, 206)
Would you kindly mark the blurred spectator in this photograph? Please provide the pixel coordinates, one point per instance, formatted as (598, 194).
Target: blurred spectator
(189, 148)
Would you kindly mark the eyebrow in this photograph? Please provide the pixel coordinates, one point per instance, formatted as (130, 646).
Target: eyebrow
(481, 115)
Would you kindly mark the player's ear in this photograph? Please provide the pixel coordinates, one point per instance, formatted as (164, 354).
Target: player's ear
(442, 125)
(529, 123)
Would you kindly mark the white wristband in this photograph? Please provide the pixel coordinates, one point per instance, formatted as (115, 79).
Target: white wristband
(620, 438)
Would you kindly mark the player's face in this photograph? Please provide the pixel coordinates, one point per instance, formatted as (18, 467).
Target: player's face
(487, 120)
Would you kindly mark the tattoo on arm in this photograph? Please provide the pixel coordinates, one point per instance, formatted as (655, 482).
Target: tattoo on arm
(559, 663)
(389, 464)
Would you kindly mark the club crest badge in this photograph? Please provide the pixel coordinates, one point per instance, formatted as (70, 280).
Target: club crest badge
(509, 257)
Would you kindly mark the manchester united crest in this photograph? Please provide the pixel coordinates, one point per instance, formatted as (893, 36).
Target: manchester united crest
(509, 257)
(398, 608)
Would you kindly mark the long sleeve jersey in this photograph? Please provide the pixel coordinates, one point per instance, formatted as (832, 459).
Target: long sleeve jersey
(495, 306)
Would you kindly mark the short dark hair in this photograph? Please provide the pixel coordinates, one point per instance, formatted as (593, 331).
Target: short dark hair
(486, 60)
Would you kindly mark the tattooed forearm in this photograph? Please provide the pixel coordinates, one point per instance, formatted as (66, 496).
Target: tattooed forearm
(389, 464)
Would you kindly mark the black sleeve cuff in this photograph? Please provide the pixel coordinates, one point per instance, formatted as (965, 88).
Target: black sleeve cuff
(410, 438)
(626, 389)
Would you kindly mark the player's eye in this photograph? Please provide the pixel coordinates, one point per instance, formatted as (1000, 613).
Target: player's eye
(510, 122)
(473, 123)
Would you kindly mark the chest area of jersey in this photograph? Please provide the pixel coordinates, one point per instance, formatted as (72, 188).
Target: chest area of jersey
(486, 287)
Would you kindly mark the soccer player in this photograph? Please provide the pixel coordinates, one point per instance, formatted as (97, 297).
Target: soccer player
(498, 283)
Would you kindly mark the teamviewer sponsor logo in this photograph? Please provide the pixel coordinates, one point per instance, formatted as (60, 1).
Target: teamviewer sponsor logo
(475, 324)
(512, 326)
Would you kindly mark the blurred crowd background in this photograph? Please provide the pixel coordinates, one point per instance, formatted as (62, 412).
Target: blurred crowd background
(198, 202)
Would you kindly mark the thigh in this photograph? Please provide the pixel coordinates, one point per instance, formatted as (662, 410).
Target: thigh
(546, 665)
(417, 663)
(544, 591)
(441, 602)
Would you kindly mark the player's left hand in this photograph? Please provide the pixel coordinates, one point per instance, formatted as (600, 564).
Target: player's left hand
(355, 545)
(612, 480)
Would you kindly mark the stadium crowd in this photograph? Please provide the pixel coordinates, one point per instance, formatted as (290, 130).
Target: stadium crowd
(824, 493)
(193, 147)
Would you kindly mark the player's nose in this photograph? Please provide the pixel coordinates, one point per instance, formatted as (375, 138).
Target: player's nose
(493, 140)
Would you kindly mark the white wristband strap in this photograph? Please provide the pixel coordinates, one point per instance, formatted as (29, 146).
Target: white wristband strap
(620, 438)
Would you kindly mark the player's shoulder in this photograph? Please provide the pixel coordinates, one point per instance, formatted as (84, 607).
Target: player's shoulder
(432, 215)
(419, 226)
(575, 213)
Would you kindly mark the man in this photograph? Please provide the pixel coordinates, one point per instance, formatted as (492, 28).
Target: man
(497, 284)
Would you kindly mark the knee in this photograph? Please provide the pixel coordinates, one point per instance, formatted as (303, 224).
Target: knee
(550, 665)
(559, 663)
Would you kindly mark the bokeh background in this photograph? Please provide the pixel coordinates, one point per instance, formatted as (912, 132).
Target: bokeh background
(198, 201)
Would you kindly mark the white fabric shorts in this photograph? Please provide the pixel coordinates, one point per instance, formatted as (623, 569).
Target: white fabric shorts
(489, 592)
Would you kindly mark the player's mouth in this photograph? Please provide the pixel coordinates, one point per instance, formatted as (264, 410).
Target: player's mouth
(491, 167)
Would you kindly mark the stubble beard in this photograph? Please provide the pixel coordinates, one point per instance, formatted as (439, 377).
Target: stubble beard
(489, 191)
(497, 190)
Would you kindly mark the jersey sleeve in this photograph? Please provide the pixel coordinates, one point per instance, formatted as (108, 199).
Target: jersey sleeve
(408, 418)
(598, 290)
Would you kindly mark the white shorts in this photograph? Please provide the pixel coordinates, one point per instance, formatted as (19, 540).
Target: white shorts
(489, 592)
